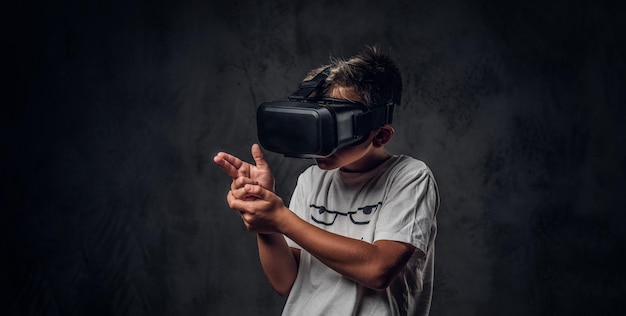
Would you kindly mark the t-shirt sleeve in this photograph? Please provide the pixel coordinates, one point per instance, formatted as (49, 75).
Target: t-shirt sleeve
(409, 208)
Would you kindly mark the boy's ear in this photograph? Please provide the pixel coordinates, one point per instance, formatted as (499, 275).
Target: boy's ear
(383, 136)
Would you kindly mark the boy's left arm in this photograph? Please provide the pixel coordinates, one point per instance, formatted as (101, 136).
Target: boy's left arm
(374, 265)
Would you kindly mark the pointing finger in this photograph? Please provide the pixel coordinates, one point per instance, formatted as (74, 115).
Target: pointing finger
(227, 167)
(234, 161)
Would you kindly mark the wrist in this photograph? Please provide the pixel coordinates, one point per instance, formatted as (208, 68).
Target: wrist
(285, 219)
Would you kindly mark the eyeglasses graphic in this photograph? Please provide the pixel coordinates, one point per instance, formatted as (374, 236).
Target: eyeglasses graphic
(366, 210)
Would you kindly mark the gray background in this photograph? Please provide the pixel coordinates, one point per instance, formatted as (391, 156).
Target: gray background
(113, 110)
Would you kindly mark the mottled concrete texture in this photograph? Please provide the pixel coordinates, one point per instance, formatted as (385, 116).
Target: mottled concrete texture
(113, 110)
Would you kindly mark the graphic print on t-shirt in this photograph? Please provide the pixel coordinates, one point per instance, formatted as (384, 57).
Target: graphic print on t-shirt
(327, 217)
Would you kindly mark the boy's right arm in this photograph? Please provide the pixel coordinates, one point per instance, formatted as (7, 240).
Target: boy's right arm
(279, 261)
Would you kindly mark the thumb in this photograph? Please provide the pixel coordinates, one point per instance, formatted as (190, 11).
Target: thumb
(259, 157)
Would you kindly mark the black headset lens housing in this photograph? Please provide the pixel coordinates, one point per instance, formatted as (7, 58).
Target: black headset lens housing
(305, 127)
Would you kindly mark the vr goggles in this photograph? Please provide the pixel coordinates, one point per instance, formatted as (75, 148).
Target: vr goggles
(313, 127)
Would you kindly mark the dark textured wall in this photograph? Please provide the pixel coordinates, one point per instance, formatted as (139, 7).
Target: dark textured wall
(113, 110)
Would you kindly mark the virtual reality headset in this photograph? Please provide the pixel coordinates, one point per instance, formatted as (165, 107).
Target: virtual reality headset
(313, 127)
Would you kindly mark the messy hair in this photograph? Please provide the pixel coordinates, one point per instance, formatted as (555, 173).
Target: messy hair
(372, 74)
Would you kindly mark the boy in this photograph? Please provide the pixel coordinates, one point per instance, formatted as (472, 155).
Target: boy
(358, 236)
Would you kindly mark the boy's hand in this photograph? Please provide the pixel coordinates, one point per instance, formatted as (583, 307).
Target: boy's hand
(262, 214)
(239, 170)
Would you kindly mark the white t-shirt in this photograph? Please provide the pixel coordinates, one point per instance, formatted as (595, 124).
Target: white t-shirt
(396, 201)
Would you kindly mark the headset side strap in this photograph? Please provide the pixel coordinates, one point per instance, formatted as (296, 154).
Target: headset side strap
(368, 121)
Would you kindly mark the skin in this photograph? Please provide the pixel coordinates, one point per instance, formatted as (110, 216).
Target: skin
(374, 265)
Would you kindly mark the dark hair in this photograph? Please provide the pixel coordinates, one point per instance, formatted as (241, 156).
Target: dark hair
(372, 74)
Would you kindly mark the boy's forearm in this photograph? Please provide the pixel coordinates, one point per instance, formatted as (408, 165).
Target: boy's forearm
(278, 262)
(372, 265)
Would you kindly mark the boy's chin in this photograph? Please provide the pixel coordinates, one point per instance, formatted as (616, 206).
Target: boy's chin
(326, 163)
